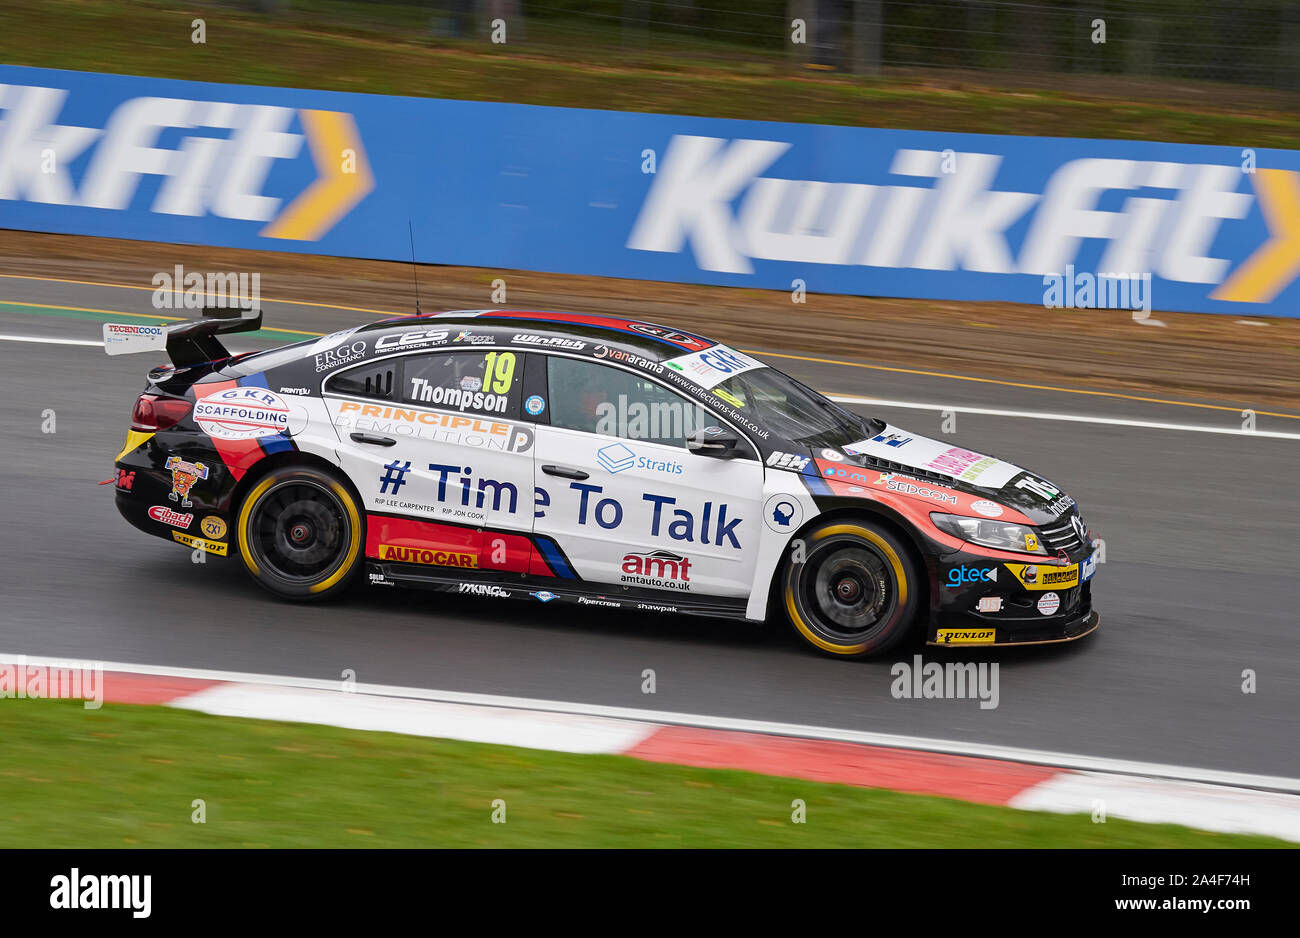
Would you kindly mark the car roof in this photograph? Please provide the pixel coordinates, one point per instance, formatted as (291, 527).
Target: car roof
(651, 340)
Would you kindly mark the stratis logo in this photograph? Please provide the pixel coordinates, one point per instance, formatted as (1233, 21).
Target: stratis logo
(660, 569)
(616, 457)
(177, 519)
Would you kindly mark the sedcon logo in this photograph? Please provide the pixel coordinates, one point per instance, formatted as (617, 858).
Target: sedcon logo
(242, 414)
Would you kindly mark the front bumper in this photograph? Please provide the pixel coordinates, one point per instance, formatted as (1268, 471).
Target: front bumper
(986, 601)
(1035, 633)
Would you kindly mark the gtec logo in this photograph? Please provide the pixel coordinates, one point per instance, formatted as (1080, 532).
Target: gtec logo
(958, 576)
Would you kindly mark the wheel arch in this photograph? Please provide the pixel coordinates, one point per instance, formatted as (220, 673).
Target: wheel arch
(252, 482)
(274, 461)
(858, 509)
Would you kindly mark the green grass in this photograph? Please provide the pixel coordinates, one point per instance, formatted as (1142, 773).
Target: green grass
(590, 64)
(124, 775)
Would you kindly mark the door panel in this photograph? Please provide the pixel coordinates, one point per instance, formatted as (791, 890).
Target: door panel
(626, 501)
(443, 463)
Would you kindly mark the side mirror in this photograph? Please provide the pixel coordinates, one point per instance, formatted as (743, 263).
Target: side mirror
(721, 442)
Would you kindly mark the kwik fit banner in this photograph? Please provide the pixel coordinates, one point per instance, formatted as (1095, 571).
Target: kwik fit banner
(650, 196)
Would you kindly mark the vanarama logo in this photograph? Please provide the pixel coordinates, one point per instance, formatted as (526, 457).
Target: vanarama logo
(629, 358)
(436, 558)
(660, 569)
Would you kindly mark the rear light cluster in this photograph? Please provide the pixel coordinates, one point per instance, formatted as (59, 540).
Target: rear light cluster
(154, 412)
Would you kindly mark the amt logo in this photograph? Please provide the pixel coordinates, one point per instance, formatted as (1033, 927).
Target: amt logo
(958, 576)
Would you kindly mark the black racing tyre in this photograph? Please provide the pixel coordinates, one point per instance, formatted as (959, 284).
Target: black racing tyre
(856, 592)
(300, 533)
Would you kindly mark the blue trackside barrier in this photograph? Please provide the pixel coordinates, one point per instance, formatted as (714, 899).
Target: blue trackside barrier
(1064, 222)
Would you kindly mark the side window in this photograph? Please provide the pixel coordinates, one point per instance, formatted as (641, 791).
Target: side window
(478, 382)
(598, 398)
(375, 380)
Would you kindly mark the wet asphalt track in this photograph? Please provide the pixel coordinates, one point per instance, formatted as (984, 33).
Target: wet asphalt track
(1201, 579)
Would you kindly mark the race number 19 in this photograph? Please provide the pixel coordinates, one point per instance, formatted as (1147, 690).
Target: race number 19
(499, 371)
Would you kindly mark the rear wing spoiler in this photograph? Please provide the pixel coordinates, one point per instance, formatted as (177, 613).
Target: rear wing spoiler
(192, 342)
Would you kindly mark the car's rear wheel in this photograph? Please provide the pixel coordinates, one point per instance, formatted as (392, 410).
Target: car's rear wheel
(300, 533)
(855, 591)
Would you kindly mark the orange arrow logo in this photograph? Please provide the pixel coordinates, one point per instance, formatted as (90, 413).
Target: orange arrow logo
(335, 143)
(1276, 262)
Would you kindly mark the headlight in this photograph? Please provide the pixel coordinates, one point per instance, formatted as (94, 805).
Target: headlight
(1003, 535)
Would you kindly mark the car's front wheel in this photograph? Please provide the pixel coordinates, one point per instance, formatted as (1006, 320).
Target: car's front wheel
(300, 533)
(851, 588)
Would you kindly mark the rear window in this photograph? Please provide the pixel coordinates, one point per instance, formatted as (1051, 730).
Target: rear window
(377, 380)
(251, 364)
(484, 381)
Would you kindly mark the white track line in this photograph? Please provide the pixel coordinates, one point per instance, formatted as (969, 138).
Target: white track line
(1071, 418)
(1209, 807)
(531, 729)
(981, 750)
(47, 341)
